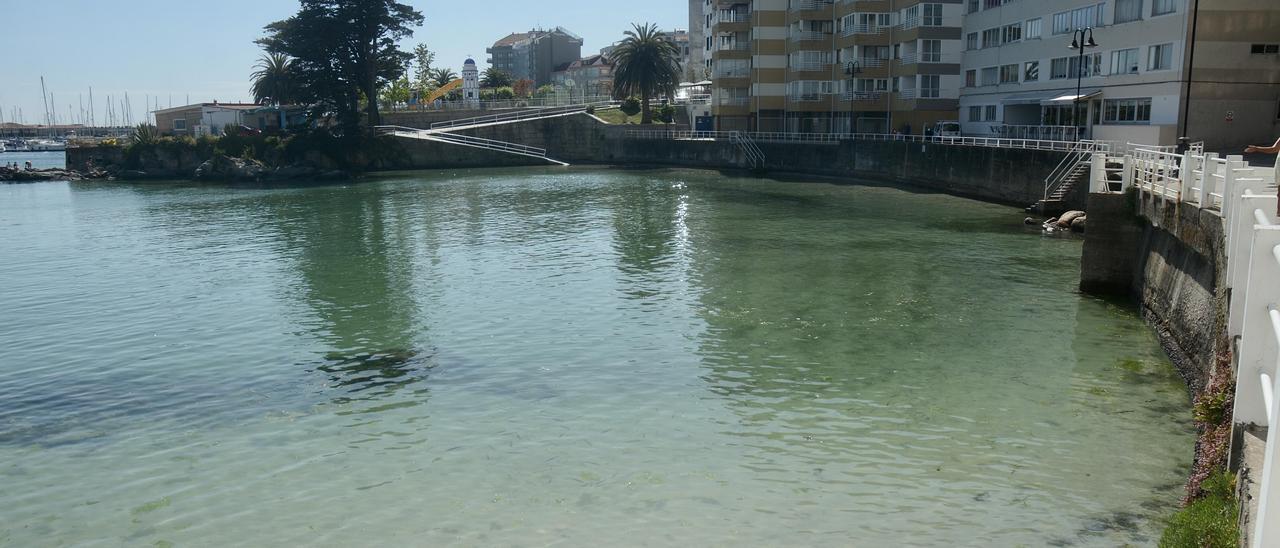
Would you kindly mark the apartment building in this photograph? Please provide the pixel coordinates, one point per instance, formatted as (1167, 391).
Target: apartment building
(833, 66)
(534, 55)
(1020, 70)
(695, 67)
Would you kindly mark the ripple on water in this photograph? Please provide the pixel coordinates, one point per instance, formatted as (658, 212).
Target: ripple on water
(581, 357)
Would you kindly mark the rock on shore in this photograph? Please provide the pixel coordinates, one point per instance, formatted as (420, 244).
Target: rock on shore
(10, 175)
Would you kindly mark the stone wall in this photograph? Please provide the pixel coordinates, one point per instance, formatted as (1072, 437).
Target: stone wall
(1010, 176)
(1170, 259)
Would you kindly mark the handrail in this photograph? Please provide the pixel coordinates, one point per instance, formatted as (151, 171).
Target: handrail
(992, 142)
(529, 114)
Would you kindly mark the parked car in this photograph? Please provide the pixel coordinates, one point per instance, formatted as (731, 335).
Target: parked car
(946, 128)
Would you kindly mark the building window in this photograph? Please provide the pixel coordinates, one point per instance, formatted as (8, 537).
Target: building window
(931, 51)
(1128, 10)
(1066, 67)
(930, 86)
(971, 41)
(1263, 49)
(1161, 57)
(1124, 61)
(932, 15)
(179, 124)
(1009, 74)
(1088, 16)
(990, 113)
(975, 114)
(990, 76)
(1032, 29)
(1127, 111)
(991, 38)
(992, 3)
(1011, 33)
(971, 78)
(973, 6)
(1031, 71)
(1162, 7)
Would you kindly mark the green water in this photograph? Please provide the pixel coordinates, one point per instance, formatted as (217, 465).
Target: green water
(566, 357)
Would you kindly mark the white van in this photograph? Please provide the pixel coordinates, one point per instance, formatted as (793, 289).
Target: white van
(946, 128)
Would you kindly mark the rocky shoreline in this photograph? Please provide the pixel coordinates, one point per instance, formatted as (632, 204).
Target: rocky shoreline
(218, 168)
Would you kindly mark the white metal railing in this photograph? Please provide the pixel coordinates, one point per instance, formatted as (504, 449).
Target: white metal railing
(1253, 268)
(520, 115)
(907, 93)
(735, 17)
(862, 28)
(908, 58)
(740, 45)
(799, 137)
(862, 95)
(811, 65)
(468, 140)
(908, 24)
(1054, 133)
(755, 156)
(733, 73)
(871, 62)
(558, 100)
(797, 5)
(734, 101)
(798, 35)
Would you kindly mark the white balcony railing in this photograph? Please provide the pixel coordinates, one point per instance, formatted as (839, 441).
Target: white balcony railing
(907, 93)
(736, 46)
(798, 35)
(735, 17)
(811, 65)
(909, 59)
(871, 62)
(797, 5)
(734, 101)
(862, 95)
(733, 73)
(850, 30)
(908, 24)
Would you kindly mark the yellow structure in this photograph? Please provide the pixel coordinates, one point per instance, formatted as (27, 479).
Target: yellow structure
(444, 90)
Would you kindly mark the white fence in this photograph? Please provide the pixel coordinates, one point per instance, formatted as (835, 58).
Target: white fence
(781, 137)
(1245, 198)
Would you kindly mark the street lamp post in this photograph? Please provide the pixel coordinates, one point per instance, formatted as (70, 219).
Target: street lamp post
(1078, 42)
(853, 70)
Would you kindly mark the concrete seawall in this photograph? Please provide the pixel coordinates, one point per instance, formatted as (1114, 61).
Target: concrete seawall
(1009, 176)
(1170, 260)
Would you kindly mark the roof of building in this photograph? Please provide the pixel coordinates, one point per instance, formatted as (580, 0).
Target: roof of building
(227, 106)
(512, 38)
(597, 60)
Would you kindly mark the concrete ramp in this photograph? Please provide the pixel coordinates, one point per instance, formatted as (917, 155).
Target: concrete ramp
(469, 141)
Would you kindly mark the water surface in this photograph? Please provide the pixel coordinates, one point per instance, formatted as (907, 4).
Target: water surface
(569, 357)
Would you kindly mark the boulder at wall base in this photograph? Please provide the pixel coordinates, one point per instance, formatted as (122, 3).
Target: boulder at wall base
(1065, 220)
(1077, 224)
(224, 168)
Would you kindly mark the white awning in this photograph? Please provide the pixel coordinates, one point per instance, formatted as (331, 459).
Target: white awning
(1071, 97)
(1034, 98)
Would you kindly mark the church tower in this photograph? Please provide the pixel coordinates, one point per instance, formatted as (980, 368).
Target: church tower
(470, 83)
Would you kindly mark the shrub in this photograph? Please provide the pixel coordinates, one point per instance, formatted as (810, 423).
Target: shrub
(504, 93)
(1210, 522)
(630, 106)
(666, 113)
(591, 109)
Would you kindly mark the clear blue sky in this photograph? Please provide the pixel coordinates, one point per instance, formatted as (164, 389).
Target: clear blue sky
(205, 50)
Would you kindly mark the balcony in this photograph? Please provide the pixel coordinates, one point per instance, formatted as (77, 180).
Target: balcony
(734, 17)
(810, 66)
(908, 24)
(802, 35)
(862, 95)
(862, 29)
(735, 46)
(810, 5)
(907, 94)
(734, 101)
(732, 73)
(908, 59)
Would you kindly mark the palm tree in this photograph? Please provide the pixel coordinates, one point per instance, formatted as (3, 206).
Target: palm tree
(443, 76)
(494, 78)
(274, 81)
(646, 63)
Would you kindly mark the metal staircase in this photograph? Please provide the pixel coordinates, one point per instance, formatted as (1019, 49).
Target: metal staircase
(520, 116)
(1073, 169)
(755, 156)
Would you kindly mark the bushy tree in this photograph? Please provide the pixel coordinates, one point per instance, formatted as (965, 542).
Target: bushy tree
(522, 88)
(646, 63)
(344, 51)
(423, 74)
